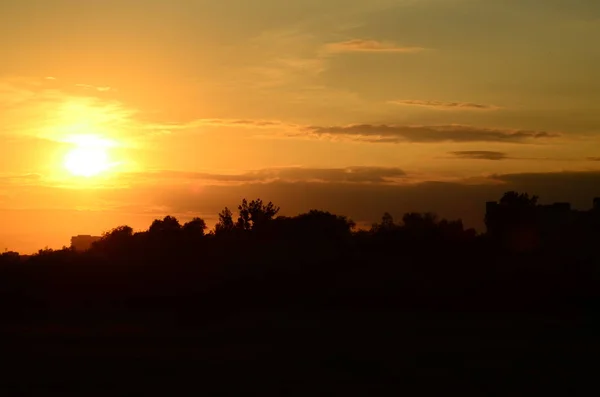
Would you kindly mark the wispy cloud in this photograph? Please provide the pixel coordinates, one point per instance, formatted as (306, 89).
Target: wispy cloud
(52, 110)
(373, 46)
(20, 179)
(370, 133)
(283, 174)
(167, 128)
(93, 87)
(294, 57)
(441, 105)
(246, 123)
(385, 133)
(285, 71)
(480, 155)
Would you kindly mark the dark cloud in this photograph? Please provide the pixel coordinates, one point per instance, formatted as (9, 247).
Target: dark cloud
(480, 155)
(386, 133)
(292, 174)
(176, 176)
(445, 105)
(349, 174)
(593, 158)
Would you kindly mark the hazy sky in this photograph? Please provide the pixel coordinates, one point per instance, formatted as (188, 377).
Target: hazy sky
(357, 107)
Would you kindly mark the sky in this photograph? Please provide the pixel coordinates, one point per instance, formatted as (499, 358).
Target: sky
(124, 111)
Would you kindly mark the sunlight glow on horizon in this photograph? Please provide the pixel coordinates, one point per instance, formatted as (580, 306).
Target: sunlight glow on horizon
(189, 106)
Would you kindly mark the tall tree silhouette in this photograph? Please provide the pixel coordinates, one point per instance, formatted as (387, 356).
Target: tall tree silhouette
(114, 241)
(387, 224)
(168, 224)
(195, 227)
(255, 214)
(416, 221)
(515, 199)
(225, 224)
(322, 225)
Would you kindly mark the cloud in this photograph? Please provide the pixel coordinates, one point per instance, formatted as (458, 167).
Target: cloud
(388, 133)
(480, 155)
(46, 108)
(246, 123)
(256, 124)
(285, 71)
(593, 158)
(381, 175)
(92, 87)
(370, 133)
(349, 174)
(372, 46)
(29, 108)
(20, 179)
(440, 105)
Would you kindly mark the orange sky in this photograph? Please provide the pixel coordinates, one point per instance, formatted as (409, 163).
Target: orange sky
(118, 112)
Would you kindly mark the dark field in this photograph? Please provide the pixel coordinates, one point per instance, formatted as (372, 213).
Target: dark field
(310, 352)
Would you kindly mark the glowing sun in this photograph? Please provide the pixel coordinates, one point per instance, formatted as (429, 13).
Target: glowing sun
(89, 157)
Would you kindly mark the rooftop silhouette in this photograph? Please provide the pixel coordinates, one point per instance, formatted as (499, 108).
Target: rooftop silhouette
(83, 242)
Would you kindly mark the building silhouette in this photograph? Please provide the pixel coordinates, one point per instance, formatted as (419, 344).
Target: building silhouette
(525, 227)
(83, 242)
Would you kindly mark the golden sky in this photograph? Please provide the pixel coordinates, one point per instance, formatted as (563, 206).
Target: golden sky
(120, 111)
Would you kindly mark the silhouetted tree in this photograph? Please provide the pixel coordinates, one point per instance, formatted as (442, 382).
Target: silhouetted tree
(9, 257)
(118, 233)
(115, 240)
(515, 199)
(195, 227)
(454, 231)
(168, 224)
(387, 224)
(416, 221)
(243, 221)
(44, 251)
(316, 225)
(387, 221)
(255, 214)
(225, 224)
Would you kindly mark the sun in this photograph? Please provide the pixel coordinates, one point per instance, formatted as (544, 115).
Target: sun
(89, 157)
(86, 162)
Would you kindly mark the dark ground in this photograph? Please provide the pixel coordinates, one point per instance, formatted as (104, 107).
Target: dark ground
(303, 351)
